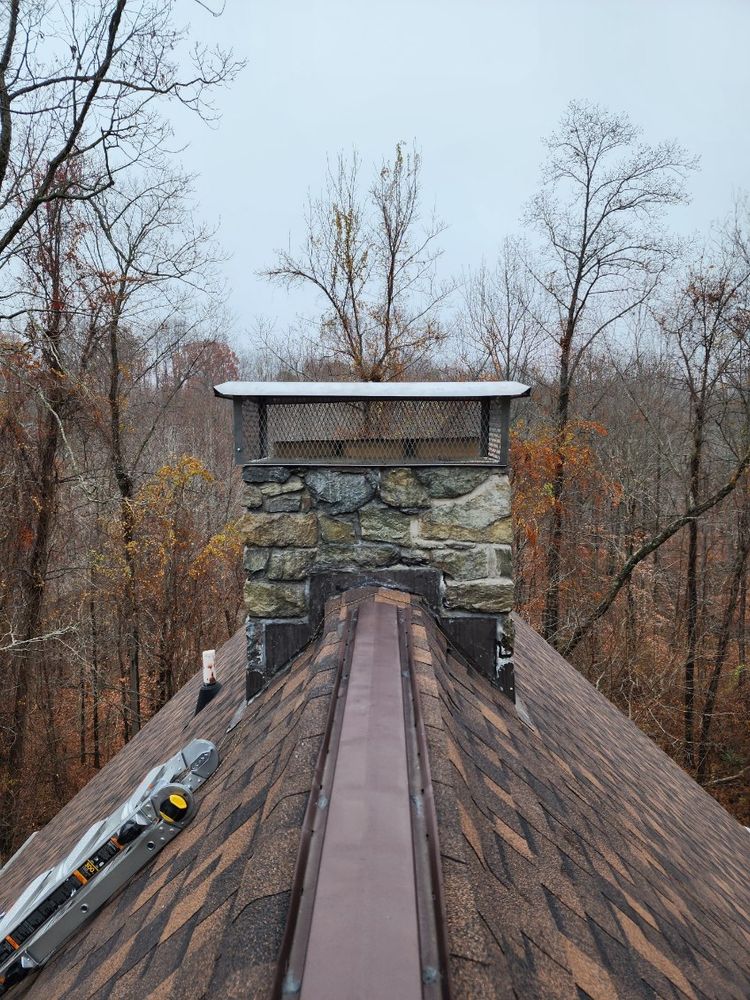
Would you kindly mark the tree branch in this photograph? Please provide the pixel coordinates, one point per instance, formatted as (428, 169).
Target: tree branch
(647, 548)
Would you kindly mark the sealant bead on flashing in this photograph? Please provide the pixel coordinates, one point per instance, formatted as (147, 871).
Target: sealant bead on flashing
(523, 715)
(237, 717)
(291, 985)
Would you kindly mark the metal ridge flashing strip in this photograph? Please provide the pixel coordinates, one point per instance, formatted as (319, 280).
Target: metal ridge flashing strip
(433, 942)
(296, 934)
(366, 915)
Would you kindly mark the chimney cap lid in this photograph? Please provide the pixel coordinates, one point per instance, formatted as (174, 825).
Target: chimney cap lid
(319, 391)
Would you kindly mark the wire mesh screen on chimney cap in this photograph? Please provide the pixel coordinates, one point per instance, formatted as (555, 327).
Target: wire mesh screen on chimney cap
(390, 424)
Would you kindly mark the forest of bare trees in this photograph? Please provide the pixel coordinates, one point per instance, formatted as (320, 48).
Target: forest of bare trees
(120, 557)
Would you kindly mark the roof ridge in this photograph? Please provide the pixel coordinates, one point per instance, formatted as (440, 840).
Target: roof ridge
(366, 907)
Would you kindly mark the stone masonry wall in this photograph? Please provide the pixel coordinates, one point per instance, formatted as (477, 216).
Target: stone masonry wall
(301, 521)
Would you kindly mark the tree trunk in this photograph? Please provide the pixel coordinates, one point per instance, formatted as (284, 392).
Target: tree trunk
(691, 614)
(125, 486)
(657, 521)
(94, 686)
(55, 761)
(691, 594)
(82, 712)
(738, 573)
(32, 588)
(551, 613)
(124, 679)
(742, 633)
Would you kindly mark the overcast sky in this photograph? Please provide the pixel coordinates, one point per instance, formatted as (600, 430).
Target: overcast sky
(475, 84)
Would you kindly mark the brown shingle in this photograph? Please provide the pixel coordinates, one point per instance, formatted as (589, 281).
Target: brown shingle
(578, 860)
(216, 896)
(555, 798)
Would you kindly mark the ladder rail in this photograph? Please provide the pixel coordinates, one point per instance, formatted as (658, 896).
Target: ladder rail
(60, 900)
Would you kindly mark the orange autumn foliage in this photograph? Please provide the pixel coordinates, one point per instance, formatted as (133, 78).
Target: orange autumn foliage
(534, 458)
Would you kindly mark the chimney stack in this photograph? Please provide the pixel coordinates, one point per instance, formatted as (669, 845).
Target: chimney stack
(402, 484)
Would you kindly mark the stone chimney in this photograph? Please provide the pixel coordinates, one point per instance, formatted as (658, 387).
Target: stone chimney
(402, 484)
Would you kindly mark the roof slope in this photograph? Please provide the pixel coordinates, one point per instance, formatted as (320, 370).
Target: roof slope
(578, 860)
(206, 918)
(587, 862)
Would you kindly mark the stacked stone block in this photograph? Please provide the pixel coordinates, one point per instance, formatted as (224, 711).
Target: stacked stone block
(300, 521)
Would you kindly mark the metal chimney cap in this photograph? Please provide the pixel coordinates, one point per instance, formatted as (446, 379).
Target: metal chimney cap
(321, 391)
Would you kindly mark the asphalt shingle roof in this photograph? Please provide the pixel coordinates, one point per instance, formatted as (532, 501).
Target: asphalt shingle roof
(578, 860)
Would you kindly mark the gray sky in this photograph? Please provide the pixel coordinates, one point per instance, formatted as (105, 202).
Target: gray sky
(476, 84)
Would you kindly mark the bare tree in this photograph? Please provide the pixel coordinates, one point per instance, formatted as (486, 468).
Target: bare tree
(601, 255)
(81, 86)
(78, 83)
(705, 323)
(51, 341)
(737, 575)
(153, 267)
(373, 264)
(500, 322)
